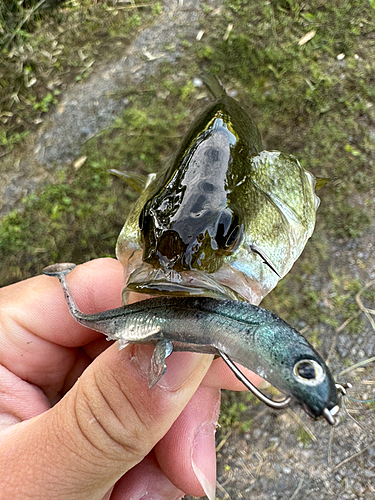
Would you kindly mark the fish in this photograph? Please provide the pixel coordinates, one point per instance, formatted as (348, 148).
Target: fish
(254, 337)
(224, 218)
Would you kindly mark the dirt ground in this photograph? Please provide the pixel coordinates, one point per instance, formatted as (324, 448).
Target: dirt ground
(267, 455)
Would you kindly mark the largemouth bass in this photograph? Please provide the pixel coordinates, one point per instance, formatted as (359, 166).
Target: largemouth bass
(225, 219)
(255, 338)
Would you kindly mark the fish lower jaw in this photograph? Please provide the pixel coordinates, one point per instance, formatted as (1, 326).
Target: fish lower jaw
(152, 281)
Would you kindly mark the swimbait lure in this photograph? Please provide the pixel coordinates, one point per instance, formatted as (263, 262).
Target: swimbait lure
(255, 338)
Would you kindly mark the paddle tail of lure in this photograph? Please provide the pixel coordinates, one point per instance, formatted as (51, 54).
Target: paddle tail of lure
(257, 339)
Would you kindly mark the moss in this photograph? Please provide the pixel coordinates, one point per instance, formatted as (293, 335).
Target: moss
(233, 410)
(303, 437)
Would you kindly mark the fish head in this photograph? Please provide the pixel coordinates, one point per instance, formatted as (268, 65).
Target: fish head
(190, 222)
(297, 369)
(279, 354)
(194, 229)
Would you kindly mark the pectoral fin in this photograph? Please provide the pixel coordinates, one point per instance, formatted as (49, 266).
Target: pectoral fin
(134, 180)
(163, 349)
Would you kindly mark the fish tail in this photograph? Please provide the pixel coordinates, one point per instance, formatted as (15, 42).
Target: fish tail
(214, 85)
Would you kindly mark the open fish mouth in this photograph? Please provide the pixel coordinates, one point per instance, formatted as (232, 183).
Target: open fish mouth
(229, 282)
(147, 279)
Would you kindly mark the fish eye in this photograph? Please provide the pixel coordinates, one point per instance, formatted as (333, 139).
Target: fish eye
(232, 238)
(228, 229)
(144, 219)
(308, 372)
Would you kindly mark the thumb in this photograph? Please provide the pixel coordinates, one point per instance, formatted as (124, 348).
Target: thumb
(102, 427)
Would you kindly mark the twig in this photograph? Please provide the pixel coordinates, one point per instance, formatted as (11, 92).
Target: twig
(357, 365)
(367, 311)
(260, 465)
(299, 486)
(353, 456)
(223, 490)
(247, 470)
(363, 309)
(338, 330)
(330, 446)
(223, 441)
(228, 479)
(301, 423)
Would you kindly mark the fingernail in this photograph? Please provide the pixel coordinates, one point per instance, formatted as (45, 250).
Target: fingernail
(204, 458)
(180, 366)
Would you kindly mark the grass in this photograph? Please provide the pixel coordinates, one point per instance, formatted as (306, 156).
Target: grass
(48, 46)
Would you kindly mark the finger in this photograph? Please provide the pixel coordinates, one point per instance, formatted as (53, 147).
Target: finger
(103, 427)
(95, 285)
(146, 481)
(186, 454)
(37, 333)
(220, 376)
(19, 400)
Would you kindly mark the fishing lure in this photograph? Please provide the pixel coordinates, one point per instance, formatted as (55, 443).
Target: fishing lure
(255, 338)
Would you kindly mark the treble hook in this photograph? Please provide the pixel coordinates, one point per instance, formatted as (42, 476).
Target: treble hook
(277, 405)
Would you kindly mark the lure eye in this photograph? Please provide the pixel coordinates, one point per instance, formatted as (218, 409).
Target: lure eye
(309, 372)
(306, 370)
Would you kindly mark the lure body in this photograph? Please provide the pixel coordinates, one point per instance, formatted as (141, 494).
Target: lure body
(255, 338)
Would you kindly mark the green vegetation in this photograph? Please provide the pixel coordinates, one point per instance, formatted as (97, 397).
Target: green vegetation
(233, 411)
(303, 436)
(46, 45)
(28, 242)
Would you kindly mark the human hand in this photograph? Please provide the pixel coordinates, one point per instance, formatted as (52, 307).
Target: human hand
(77, 419)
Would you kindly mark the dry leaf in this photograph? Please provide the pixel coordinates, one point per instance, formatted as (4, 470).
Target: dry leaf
(306, 37)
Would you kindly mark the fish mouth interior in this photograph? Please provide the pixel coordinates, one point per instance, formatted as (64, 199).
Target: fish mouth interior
(147, 279)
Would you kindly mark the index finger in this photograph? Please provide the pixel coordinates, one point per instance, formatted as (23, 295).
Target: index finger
(38, 337)
(37, 305)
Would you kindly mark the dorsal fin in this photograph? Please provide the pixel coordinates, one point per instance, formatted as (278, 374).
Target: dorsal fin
(134, 180)
(214, 85)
